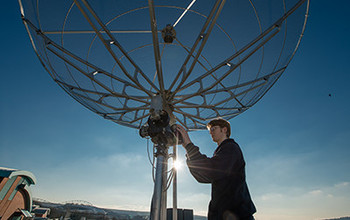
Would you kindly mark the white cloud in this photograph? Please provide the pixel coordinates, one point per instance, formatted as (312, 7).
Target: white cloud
(341, 185)
(315, 192)
(330, 196)
(196, 201)
(117, 177)
(271, 196)
(319, 203)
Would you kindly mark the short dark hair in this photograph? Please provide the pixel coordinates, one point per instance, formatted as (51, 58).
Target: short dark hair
(222, 123)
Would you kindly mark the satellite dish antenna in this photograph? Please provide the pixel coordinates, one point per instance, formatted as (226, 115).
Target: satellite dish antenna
(150, 64)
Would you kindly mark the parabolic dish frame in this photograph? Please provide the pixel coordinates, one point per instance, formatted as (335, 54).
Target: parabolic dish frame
(208, 59)
(217, 72)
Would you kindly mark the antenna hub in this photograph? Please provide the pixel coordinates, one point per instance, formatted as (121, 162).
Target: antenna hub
(159, 130)
(168, 34)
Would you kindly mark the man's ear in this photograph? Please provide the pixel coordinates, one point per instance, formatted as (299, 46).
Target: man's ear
(224, 129)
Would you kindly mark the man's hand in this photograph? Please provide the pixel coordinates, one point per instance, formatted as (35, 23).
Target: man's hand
(186, 139)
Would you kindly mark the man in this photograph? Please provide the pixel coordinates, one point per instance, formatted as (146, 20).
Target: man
(230, 198)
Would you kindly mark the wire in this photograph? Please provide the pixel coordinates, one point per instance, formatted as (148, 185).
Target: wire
(153, 169)
(188, 7)
(151, 161)
(149, 156)
(170, 179)
(171, 172)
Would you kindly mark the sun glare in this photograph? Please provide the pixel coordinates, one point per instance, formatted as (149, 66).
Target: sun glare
(177, 164)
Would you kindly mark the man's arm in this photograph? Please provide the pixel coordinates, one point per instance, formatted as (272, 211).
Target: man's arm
(207, 170)
(204, 169)
(197, 162)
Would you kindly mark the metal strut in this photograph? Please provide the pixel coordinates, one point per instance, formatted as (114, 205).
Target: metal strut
(159, 129)
(159, 199)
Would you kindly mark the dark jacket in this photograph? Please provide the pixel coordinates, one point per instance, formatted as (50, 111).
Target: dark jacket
(226, 173)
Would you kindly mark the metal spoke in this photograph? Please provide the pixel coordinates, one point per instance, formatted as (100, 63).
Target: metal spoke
(120, 91)
(90, 76)
(228, 60)
(97, 69)
(275, 26)
(113, 41)
(263, 78)
(125, 90)
(120, 110)
(229, 71)
(157, 56)
(212, 74)
(102, 32)
(205, 106)
(203, 35)
(190, 117)
(102, 94)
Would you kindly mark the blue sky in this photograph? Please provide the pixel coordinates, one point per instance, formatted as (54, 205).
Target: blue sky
(295, 139)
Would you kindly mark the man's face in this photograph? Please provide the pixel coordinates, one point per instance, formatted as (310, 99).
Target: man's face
(217, 133)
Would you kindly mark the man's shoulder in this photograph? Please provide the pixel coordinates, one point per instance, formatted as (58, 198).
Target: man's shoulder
(228, 145)
(229, 142)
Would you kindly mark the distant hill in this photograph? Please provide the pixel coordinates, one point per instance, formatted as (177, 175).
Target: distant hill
(342, 218)
(78, 211)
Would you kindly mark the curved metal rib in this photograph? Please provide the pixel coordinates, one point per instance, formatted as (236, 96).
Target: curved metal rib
(203, 35)
(113, 41)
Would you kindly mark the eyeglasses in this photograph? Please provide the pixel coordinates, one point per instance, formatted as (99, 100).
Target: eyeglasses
(212, 129)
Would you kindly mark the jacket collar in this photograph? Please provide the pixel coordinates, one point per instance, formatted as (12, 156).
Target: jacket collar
(228, 140)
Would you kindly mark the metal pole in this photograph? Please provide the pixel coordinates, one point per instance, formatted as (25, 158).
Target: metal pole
(175, 185)
(163, 204)
(159, 200)
(158, 206)
(157, 192)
